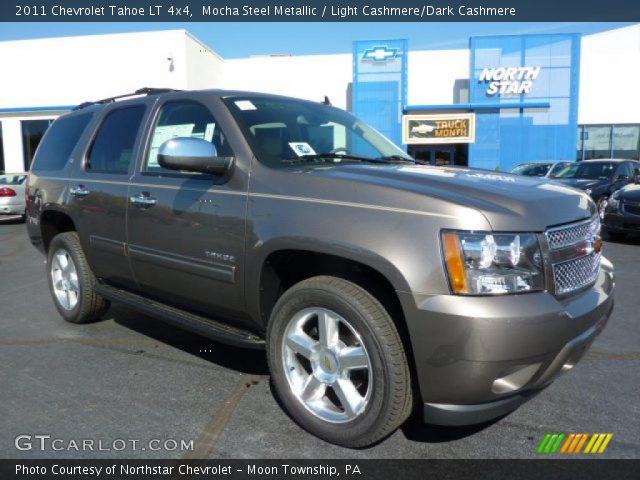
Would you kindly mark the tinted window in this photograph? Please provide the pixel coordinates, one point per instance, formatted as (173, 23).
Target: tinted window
(112, 149)
(589, 170)
(60, 141)
(12, 179)
(184, 119)
(32, 133)
(626, 170)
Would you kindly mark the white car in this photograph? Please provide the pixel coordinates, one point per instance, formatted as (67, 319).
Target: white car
(541, 169)
(12, 199)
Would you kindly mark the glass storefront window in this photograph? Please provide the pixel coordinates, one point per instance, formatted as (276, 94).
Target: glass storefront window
(597, 141)
(580, 136)
(32, 133)
(1, 151)
(626, 141)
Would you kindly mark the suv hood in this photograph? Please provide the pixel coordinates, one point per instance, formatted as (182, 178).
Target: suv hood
(630, 193)
(509, 202)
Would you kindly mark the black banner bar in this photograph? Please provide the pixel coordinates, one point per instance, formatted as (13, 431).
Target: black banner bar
(317, 11)
(583, 469)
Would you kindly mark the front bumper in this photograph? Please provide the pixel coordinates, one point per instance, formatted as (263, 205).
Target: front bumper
(11, 207)
(478, 358)
(618, 222)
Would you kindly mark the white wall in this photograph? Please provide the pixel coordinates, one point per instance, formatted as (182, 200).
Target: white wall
(609, 73)
(310, 77)
(433, 73)
(55, 72)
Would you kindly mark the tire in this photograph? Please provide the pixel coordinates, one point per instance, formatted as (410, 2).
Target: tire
(384, 396)
(73, 288)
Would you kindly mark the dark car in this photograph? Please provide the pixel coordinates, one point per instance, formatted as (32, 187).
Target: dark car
(540, 169)
(271, 222)
(622, 213)
(600, 178)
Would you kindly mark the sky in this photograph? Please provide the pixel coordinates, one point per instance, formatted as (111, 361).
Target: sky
(233, 40)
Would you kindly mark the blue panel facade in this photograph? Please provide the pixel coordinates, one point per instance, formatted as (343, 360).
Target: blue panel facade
(523, 70)
(380, 84)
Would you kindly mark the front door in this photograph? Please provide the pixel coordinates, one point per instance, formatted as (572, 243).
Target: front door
(434, 155)
(186, 230)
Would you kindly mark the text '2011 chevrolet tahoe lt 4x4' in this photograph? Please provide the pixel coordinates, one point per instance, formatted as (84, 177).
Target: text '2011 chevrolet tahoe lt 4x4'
(375, 284)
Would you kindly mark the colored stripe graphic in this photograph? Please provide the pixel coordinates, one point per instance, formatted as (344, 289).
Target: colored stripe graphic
(573, 443)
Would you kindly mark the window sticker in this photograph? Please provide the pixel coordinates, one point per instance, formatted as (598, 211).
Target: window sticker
(208, 133)
(301, 148)
(245, 105)
(162, 134)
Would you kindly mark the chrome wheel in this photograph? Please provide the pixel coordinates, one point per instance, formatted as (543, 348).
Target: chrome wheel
(327, 365)
(64, 278)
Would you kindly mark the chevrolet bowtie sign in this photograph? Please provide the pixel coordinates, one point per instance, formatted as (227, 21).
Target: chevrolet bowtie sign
(509, 81)
(380, 54)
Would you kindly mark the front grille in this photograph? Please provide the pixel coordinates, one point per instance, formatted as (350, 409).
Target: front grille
(560, 237)
(632, 208)
(575, 264)
(576, 274)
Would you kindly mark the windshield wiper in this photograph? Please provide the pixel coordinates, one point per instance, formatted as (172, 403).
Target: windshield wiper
(397, 158)
(321, 157)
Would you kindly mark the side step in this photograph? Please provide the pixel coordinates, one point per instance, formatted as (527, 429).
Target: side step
(201, 325)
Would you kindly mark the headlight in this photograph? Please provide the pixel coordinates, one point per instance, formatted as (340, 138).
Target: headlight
(614, 201)
(492, 263)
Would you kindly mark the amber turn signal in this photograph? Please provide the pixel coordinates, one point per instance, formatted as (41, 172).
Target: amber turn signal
(455, 263)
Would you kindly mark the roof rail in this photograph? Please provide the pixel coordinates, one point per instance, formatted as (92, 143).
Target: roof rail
(140, 91)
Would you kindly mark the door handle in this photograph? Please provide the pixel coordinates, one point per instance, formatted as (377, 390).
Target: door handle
(79, 191)
(144, 200)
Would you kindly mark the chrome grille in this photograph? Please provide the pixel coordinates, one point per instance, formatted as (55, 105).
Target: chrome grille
(576, 274)
(576, 263)
(560, 237)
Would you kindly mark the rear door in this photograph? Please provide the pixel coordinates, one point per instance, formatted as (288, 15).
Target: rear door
(186, 230)
(98, 191)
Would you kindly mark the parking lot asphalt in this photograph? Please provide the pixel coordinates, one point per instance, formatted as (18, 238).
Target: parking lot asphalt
(132, 380)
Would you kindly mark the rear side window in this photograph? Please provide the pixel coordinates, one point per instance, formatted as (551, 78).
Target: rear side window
(59, 142)
(112, 148)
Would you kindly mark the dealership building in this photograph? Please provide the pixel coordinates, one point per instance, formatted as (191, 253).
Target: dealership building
(503, 100)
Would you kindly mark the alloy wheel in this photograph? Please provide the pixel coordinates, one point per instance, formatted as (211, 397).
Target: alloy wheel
(64, 278)
(327, 365)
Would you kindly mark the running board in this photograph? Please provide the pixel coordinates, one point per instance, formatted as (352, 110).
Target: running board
(189, 321)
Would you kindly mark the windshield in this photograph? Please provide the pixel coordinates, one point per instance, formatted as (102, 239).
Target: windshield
(12, 179)
(532, 170)
(283, 131)
(588, 171)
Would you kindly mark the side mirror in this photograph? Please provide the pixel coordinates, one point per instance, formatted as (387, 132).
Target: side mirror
(193, 155)
(623, 178)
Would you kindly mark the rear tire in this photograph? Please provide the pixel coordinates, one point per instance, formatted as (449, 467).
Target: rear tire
(353, 399)
(71, 282)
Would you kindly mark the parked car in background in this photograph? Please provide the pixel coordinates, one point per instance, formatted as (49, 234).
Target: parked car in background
(622, 213)
(540, 169)
(12, 200)
(600, 178)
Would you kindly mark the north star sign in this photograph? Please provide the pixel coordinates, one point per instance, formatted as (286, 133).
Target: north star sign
(380, 54)
(509, 80)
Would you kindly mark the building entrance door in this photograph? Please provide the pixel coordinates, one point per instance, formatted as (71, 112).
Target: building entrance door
(441, 155)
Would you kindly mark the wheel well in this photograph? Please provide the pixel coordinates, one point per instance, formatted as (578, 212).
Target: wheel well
(285, 268)
(52, 223)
